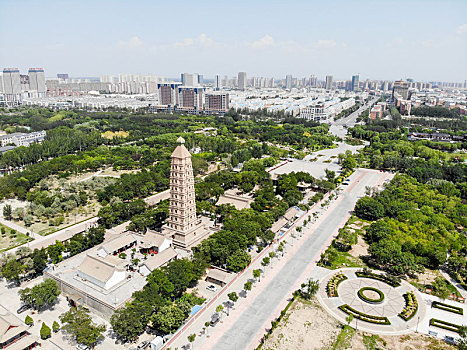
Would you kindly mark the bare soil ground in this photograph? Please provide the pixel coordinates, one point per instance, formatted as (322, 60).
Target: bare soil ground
(308, 326)
(359, 249)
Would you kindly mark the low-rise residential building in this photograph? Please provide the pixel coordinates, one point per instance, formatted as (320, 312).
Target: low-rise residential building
(22, 139)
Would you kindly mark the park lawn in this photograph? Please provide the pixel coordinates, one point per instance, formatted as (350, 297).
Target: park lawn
(8, 240)
(344, 259)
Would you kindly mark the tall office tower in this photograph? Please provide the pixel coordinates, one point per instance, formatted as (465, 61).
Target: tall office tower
(200, 79)
(288, 82)
(217, 82)
(465, 84)
(182, 225)
(2, 89)
(355, 82)
(328, 85)
(313, 80)
(62, 76)
(12, 84)
(241, 80)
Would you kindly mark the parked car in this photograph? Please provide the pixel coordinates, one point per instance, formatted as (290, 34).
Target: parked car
(23, 308)
(212, 288)
(215, 319)
(143, 345)
(82, 347)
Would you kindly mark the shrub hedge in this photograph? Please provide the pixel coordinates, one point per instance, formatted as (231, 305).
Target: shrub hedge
(333, 283)
(393, 282)
(411, 306)
(369, 300)
(447, 307)
(364, 317)
(445, 325)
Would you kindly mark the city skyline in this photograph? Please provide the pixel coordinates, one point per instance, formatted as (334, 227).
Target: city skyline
(262, 39)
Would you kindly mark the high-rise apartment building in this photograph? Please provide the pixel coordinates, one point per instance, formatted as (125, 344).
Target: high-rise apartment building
(288, 82)
(37, 80)
(12, 84)
(355, 82)
(189, 79)
(217, 102)
(167, 93)
(313, 80)
(242, 80)
(217, 82)
(328, 85)
(401, 88)
(190, 97)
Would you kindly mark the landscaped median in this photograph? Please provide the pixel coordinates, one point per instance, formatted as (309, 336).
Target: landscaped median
(333, 283)
(392, 281)
(445, 325)
(411, 306)
(447, 307)
(364, 317)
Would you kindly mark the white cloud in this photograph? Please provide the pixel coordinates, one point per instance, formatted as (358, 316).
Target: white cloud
(132, 43)
(201, 40)
(326, 44)
(462, 29)
(264, 42)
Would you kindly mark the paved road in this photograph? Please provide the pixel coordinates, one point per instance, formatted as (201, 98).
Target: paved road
(251, 322)
(337, 126)
(253, 314)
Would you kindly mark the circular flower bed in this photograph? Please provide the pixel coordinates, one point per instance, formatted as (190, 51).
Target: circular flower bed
(371, 295)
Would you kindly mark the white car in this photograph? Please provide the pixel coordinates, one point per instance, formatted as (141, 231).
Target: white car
(212, 288)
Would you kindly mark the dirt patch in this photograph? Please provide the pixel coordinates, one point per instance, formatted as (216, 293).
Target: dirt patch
(308, 326)
(305, 326)
(359, 249)
(365, 341)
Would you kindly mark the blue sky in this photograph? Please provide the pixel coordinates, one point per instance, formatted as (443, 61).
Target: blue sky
(425, 40)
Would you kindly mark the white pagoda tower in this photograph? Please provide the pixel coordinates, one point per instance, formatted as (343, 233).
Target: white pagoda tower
(185, 229)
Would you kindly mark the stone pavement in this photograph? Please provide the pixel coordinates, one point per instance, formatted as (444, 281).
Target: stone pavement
(390, 307)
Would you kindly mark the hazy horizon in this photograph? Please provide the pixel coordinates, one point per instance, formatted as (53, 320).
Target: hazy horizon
(423, 40)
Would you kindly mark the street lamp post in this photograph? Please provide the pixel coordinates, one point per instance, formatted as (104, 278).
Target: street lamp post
(418, 320)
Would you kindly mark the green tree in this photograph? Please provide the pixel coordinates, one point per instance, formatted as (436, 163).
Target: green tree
(55, 326)
(247, 286)
(12, 270)
(42, 294)
(233, 297)
(462, 341)
(191, 338)
(130, 321)
(238, 260)
(78, 323)
(257, 274)
(7, 211)
(45, 331)
(168, 319)
(369, 209)
(28, 320)
(349, 319)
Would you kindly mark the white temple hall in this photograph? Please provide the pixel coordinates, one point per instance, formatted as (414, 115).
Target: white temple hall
(183, 226)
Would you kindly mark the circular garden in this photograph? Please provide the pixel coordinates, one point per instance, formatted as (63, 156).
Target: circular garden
(371, 295)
